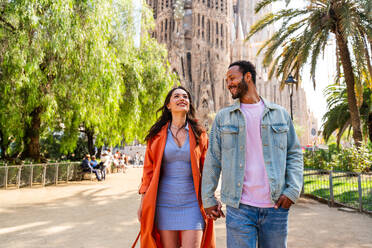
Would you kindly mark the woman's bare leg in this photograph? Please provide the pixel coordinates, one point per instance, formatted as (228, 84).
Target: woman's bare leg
(191, 238)
(169, 239)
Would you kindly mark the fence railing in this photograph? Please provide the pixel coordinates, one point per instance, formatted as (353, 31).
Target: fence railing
(349, 189)
(38, 174)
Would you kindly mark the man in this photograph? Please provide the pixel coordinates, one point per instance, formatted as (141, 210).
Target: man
(103, 164)
(254, 146)
(85, 164)
(89, 166)
(108, 161)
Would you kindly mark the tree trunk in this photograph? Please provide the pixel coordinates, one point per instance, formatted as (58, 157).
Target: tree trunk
(370, 126)
(99, 149)
(3, 147)
(90, 135)
(32, 136)
(350, 87)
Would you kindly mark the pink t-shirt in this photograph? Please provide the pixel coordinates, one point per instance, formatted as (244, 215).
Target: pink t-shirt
(256, 189)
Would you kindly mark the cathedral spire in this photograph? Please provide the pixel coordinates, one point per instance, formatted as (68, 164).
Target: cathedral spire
(239, 29)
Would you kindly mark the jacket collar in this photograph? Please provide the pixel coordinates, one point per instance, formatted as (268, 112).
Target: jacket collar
(267, 104)
(163, 130)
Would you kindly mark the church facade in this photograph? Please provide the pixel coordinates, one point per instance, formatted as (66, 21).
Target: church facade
(203, 37)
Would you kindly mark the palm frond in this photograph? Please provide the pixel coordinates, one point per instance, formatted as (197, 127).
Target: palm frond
(335, 119)
(282, 34)
(342, 130)
(264, 3)
(317, 49)
(270, 18)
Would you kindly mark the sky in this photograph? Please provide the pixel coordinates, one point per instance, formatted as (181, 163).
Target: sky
(325, 68)
(137, 20)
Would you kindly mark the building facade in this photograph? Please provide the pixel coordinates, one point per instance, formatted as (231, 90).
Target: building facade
(203, 37)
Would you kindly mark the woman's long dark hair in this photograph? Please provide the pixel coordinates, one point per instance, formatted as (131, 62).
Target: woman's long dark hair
(166, 116)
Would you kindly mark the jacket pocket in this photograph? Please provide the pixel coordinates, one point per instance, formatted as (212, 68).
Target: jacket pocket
(229, 136)
(280, 135)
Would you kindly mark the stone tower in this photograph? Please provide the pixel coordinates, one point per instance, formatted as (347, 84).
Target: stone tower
(203, 37)
(197, 35)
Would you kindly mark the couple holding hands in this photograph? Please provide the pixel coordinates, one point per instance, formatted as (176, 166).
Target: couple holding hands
(252, 144)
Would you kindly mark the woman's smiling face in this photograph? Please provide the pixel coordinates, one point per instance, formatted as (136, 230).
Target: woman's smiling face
(179, 101)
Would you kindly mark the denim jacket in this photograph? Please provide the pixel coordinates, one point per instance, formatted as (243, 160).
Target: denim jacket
(226, 155)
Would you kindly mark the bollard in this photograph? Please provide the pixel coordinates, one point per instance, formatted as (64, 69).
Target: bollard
(360, 192)
(331, 197)
(56, 176)
(44, 174)
(31, 174)
(303, 185)
(68, 172)
(19, 177)
(6, 176)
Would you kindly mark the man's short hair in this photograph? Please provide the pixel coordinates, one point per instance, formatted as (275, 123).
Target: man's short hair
(244, 67)
(87, 156)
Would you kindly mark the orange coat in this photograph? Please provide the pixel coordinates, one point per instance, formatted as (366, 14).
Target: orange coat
(150, 237)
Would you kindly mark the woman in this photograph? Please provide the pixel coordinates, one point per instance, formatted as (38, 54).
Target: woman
(171, 211)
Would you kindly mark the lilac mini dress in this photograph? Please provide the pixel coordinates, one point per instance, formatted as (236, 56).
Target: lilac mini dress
(177, 207)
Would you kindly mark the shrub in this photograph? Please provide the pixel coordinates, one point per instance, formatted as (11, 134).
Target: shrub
(347, 159)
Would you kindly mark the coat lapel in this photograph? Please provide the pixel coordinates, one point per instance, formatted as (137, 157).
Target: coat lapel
(158, 150)
(195, 156)
(160, 144)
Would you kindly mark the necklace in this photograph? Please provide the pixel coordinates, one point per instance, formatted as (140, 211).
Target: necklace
(178, 128)
(179, 135)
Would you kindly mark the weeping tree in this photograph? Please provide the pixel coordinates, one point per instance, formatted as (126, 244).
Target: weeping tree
(70, 67)
(37, 41)
(304, 34)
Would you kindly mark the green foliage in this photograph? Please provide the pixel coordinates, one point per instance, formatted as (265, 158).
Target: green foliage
(345, 187)
(347, 159)
(337, 118)
(73, 65)
(51, 146)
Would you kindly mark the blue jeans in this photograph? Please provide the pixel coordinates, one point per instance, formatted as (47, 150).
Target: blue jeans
(95, 171)
(103, 172)
(249, 226)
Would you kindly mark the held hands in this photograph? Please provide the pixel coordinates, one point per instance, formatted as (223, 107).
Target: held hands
(139, 211)
(283, 202)
(214, 212)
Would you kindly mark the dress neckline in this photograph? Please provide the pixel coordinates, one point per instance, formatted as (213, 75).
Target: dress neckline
(175, 143)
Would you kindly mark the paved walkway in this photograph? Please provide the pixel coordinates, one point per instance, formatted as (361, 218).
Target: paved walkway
(103, 215)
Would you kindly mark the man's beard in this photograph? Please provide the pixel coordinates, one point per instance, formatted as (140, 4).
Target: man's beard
(242, 88)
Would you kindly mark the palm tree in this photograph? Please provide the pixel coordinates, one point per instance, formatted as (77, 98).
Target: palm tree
(338, 116)
(304, 34)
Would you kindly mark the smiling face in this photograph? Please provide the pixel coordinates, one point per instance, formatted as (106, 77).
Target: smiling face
(236, 84)
(179, 101)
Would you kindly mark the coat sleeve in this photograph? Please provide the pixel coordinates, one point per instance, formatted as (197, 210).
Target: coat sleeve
(203, 151)
(212, 166)
(148, 169)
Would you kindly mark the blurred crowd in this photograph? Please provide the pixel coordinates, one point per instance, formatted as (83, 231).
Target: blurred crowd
(109, 163)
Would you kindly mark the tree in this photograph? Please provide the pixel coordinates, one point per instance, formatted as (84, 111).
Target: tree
(304, 34)
(338, 116)
(58, 58)
(71, 67)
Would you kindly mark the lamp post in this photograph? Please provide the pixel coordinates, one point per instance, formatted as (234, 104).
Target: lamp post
(290, 82)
